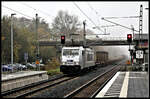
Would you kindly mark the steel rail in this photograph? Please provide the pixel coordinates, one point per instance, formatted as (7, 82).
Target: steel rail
(76, 91)
(45, 87)
(101, 87)
(9, 92)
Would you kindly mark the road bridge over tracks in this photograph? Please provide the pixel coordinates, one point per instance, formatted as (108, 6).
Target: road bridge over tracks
(105, 41)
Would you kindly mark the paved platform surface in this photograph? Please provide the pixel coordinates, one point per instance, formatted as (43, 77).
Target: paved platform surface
(20, 74)
(138, 85)
(126, 85)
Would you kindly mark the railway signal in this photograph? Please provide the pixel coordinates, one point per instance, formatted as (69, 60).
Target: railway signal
(129, 38)
(62, 39)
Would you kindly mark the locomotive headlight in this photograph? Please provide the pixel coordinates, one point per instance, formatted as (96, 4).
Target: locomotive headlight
(63, 63)
(76, 63)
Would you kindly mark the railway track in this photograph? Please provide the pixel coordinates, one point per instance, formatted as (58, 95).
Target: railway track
(27, 91)
(91, 88)
(35, 88)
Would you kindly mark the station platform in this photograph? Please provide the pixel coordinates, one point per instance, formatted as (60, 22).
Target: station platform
(126, 85)
(22, 78)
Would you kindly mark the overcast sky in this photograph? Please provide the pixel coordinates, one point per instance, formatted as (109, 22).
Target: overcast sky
(94, 10)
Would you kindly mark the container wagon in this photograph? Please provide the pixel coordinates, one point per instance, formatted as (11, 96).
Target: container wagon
(101, 58)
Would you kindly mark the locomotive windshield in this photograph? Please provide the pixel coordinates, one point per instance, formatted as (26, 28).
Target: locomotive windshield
(73, 52)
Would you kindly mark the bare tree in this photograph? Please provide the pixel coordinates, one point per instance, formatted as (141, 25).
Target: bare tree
(65, 24)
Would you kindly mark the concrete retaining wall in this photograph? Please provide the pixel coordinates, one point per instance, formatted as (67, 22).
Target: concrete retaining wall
(9, 83)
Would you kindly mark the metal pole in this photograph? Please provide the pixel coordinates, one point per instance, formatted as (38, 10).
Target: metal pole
(84, 33)
(132, 41)
(84, 42)
(12, 38)
(140, 26)
(130, 54)
(131, 58)
(37, 34)
(144, 59)
(141, 21)
(36, 39)
(37, 57)
(132, 31)
(11, 42)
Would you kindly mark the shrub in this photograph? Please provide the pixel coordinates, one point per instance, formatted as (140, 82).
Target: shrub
(54, 71)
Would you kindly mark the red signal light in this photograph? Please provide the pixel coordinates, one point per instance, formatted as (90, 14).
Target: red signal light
(62, 37)
(129, 36)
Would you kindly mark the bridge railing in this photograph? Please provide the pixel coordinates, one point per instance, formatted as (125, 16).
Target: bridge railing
(103, 39)
(114, 39)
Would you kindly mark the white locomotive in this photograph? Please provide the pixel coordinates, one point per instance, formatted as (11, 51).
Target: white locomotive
(75, 59)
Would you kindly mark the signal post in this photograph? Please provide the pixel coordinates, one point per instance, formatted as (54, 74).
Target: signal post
(129, 40)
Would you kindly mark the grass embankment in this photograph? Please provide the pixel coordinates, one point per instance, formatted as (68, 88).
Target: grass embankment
(54, 71)
(52, 67)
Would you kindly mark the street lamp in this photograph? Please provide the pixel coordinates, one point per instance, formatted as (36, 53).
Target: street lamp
(12, 37)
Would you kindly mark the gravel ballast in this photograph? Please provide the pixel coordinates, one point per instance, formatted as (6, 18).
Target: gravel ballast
(61, 90)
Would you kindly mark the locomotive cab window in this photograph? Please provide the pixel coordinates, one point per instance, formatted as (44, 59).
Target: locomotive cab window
(73, 52)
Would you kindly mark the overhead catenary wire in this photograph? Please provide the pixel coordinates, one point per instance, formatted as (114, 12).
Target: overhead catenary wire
(28, 6)
(38, 10)
(119, 24)
(99, 20)
(121, 17)
(16, 11)
(108, 26)
(94, 11)
(86, 15)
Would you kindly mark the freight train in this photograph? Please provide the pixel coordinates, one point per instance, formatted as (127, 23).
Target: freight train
(101, 58)
(76, 59)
